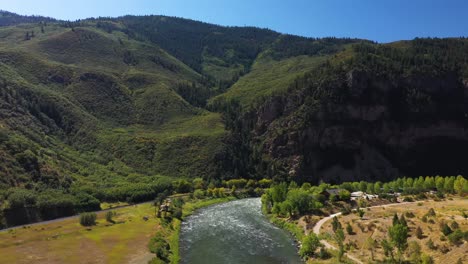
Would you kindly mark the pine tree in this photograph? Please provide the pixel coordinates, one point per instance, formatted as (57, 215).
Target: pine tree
(419, 233)
(395, 220)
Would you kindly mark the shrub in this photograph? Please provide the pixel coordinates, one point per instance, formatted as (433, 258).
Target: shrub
(360, 213)
(430, 244)
(419, 233)
(346, 210)
(454, 225)
(426, 259)
(408, 199)
(456, 237)
(349, 229)
(409, 214)
(177, 213)
(446, 230)
(109, 215)
(323, 253)
(159, 246)
(309, 245)
(431, 212)
(199, 194)
(335, 224)
(88, 219)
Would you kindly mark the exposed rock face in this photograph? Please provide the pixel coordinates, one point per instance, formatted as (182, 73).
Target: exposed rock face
(377, 129)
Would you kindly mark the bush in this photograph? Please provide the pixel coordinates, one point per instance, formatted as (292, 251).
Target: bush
(409, 214)
(199, 194)
(426, 259)
(159, 246)
(349, 229)
(446, 230)
(88, 219)
(431, 212)
(408, 199)
(309, 245)
(430, 244)
(323, 253)
(454, 225)
(177, 213)
(109, 216)
(419, 233)
(456, 237)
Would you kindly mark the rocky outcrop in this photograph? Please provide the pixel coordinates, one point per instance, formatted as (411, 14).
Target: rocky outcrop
(378, 128)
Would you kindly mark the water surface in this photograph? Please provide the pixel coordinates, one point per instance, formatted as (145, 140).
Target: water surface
(234, 232)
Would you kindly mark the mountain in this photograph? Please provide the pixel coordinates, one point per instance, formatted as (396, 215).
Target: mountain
(115, 109)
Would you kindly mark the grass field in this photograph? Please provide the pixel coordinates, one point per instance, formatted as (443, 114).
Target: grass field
(376, 222)
(66, 241)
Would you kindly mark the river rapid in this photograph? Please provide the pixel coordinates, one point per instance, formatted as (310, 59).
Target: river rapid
(235, 232)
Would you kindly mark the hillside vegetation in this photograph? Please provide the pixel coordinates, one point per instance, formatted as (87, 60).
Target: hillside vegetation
(115, 109)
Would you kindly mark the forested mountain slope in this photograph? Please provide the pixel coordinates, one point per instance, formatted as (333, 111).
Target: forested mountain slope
(114, 109)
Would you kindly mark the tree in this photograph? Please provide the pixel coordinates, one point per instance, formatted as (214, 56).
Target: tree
(456, 237)
(459, 185)
(344, 195)
(439, 183)
(454, 225)
(279, 192)
(370, 188)
(335, 224)
(377, 187)
(414, 252)
(370, 245)
(349, 229)
(388, 249)
(431, 212)
(362, 186)
(88, 219)
(446, 230)
(429, 183)
(449, 184)
(309, 245)
(339, 238)
(198, 183)
(395, 220)
(430, 244)
(403, 220)
(419, 233)
(399, 237)
(426, 259)
(360, 213)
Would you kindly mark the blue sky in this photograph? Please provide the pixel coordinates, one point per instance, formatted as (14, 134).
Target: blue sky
(380, 20)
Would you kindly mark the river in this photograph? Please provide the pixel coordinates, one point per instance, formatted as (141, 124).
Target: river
(234, 232)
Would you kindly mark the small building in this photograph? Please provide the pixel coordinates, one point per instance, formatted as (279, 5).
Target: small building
(357, 194)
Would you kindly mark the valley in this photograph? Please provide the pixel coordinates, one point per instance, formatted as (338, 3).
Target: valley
(169, 116)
